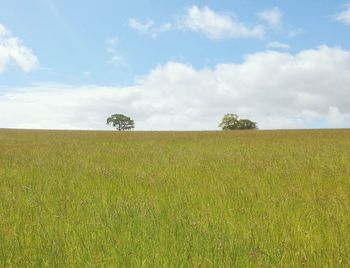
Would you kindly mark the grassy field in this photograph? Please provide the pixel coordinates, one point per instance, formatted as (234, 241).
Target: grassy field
(175, 199)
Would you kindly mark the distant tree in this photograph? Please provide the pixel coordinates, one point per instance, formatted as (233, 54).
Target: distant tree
(231, 122)
(120, 122)
(246, 124)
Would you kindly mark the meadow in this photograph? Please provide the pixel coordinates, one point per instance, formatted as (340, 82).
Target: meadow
(175, 199)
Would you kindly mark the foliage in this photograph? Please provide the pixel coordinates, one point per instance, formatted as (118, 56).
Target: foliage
(121, 122)
(231, 122)
(246, 124)
(175, 199)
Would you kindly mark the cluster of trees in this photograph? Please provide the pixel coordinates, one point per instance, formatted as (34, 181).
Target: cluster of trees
(229, 122)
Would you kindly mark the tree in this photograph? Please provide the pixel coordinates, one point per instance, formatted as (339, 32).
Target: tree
(231, 122)
(246, 124)
(121, 122)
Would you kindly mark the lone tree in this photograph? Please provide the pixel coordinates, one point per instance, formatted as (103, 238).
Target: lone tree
(121, 122)
(231, 122)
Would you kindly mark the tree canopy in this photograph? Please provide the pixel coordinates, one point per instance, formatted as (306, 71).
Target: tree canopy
(231, 122)
(121, 122)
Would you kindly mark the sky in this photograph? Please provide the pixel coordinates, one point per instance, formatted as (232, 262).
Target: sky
(174, 65)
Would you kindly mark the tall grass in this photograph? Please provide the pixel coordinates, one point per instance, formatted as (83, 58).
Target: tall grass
(175, 199)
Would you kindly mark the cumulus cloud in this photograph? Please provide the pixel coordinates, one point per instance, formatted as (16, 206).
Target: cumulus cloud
(12, 50)
(343, 16)
(275, 89)
(217, 25)
(272, 16)
(278, 45)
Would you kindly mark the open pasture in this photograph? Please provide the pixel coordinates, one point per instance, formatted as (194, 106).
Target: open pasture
(175, 199)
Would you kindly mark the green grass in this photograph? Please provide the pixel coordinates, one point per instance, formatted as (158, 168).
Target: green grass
(175, 199)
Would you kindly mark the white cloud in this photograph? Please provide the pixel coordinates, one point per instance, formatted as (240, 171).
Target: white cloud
(335, 118)
(278, 45)
(149, 27)
(295, 32)
(140, 26)
(111, 48)
(117, 60)
(204, 20)
(111, 44)
(274, 19)
(217, 25)
(12, 50)
(272, 16)
(275, 89)
(3, 30)
(343, 16)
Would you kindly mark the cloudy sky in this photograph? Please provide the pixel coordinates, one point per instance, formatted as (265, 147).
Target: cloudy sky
(174, 65)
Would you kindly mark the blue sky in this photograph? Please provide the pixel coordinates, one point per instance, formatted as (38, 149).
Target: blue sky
(75, 47)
